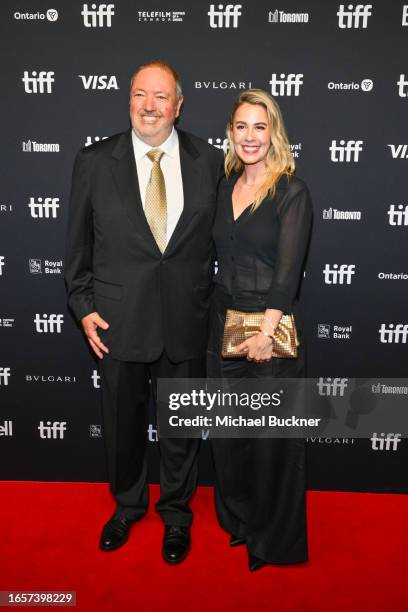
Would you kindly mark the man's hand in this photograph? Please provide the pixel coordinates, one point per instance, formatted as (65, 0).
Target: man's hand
(90, 324)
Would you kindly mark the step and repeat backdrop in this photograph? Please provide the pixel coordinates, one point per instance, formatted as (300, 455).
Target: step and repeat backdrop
(340, 75)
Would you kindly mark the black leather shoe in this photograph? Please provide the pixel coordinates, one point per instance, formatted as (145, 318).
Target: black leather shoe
(236, 541)
(255, 563)
(176, 543)
(115, 533)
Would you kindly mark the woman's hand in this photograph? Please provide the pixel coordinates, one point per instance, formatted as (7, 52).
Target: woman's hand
(258, 348)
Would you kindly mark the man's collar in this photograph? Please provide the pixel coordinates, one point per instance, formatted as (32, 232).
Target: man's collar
(169, 146)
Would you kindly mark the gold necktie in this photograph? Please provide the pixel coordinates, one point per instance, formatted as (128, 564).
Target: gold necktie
(155, 201)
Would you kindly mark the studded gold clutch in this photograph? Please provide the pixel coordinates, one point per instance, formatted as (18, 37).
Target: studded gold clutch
(239, 326)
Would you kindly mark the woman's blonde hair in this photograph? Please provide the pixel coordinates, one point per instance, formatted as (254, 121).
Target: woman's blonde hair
(279, 159)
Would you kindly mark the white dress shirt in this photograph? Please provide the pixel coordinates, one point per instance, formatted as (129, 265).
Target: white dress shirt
(170, 166)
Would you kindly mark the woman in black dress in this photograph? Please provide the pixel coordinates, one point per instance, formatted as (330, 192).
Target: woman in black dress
(261, 234)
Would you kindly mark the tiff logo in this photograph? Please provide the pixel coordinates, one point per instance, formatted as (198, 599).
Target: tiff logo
(402, 86)
(345, 152)
(336, 275)
(48, 324)
(222, 18)
(4, 376)
(52, 430)
(219, 143)
(398, 217)
(44, 209)
(41, 83)
(332, 387)
(96, 16)
(284, 85)
(2, 264)
(393, 334)
(351, 18)
(96, 379)
(385, 442)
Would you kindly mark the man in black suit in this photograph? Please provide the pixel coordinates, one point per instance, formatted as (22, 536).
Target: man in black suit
(138, 273)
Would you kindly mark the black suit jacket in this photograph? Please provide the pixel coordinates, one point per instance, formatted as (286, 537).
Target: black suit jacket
(152, 301)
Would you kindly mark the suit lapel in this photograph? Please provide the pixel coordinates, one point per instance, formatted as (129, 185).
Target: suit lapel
(125, 175)
(191, 176)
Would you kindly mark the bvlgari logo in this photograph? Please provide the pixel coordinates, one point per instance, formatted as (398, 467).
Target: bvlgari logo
(223, 85)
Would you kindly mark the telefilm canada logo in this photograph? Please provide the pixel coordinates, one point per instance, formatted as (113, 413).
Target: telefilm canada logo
(32, 146)
(224, 16)
(49, 15)
(6, 322)
(326, 331)
(98, 15)
(277, 16)
(161, 16)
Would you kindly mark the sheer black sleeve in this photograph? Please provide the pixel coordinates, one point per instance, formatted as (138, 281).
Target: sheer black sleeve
(295, 218)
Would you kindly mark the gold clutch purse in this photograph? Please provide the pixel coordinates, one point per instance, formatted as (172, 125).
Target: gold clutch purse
(239, 326)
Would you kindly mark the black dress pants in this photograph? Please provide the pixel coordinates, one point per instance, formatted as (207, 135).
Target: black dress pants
(260, 482)
(125, 397)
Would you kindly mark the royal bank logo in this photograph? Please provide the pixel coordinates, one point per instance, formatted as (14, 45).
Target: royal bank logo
(98, 16)
(48, 323)
(51, 266)
(339, 332)
(365, 85)
(6, 429)
(32, 146)
(95, 431)
(92, 139)
(39, 82)
(332, 387)
(222, 85)
(6, 322)
(161, 16)
(286, 84)
(385, 442)
(338, 274)
(393, 333)
(405, 15)
(398, 215)
(392, 276)
(52, 430)
(345, 151)
(296, 149)
(44, 208)
(219, 143)
(5, 374)
(224, 17)
(277, 16)
(50, 15)
(399, 151)
(2, 264)
(334, 214)
(103, 81)
(354, 17)
(96, 379)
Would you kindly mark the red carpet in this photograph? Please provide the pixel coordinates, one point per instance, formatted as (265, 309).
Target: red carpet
(357, 547)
